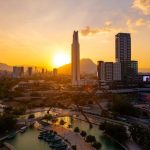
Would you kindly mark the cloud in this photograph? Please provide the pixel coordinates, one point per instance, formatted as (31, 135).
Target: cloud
(142, 5)
(131, 26)
(140, 22)
(107, 28)
(89, 31)
(134, 24)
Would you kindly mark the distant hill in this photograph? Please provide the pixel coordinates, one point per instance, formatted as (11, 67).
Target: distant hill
(5, 67)
(87, 66)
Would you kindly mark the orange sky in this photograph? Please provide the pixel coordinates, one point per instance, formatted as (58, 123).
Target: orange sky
(32, 32)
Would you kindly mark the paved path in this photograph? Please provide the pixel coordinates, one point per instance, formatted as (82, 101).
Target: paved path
(72, 137)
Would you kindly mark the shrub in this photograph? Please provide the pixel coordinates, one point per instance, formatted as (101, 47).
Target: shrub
(48, 117)
(97, 145)
(31, 116)
(102, 126)
(69, 126)
(74, 147)
(90, 139)
(76, 129)
(83, 134)
(62, 122)
(116, 131)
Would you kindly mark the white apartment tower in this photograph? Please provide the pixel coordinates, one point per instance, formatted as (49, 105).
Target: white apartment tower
(75, 61)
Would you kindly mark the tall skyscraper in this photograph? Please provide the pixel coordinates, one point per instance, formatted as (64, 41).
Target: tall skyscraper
(123, 54)
(75, 60)
(129, 69)
(123, 47)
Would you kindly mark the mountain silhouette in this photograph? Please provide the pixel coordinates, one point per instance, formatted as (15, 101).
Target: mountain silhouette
(5, 67)
(87, 66)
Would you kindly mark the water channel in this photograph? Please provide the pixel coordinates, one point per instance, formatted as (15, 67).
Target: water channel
(29, 140)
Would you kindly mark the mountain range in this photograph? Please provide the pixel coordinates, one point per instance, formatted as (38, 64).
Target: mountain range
(87, 66)
(5, 67)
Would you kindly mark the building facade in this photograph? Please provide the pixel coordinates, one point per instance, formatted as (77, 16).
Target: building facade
(109, 71)
(117, 71)
(123, 47)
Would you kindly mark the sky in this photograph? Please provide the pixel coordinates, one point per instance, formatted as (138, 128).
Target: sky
(33, 32)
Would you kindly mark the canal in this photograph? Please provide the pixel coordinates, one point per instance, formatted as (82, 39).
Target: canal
(29, 140)
(107, 143)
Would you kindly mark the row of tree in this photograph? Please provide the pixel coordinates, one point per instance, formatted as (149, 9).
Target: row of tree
(89, 138)
(118, 132)
(7, 123)
(141, 136)
(122, 106)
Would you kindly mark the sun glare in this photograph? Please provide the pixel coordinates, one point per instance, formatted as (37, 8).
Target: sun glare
(60, 60)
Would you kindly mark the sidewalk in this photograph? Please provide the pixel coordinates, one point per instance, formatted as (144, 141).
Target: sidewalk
(72, 137)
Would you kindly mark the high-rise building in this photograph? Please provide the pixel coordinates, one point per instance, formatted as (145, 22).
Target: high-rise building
(29, 71)
(109, 71)
(101, 70)
(117, 71)
(124, 69)
(123, 47)
(18, 72)
(55, 72)
(134, 70)
(43, 70)
(75, 60)
(129, 69)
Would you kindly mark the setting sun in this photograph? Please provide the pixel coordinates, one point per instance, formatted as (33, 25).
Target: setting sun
(60, 59)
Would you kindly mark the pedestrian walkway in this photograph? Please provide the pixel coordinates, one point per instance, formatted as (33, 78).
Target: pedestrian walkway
(72, 137)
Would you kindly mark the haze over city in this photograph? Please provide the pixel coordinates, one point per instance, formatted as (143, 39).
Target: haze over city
(74, 75)
(39, 32)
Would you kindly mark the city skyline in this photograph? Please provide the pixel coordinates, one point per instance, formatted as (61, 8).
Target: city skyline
(34, 31)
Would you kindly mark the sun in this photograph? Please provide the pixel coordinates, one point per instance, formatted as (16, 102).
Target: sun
(60, 60)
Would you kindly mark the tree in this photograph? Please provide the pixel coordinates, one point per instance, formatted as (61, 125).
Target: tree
(123, 106)
(141, 136)
(31, 116)
(7, 122)
(76, 129)
(62, 122)
(97, 145)
(83, 134)
(74, 147)
(19, 111)
(69, 126)
(47, 117)
(90, 139)
(102, 126)
(118, 132)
